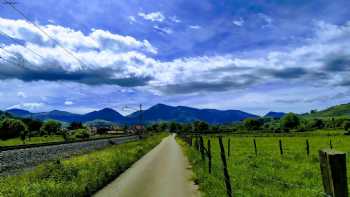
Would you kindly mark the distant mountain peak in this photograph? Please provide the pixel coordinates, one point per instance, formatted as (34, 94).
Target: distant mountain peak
(106, 109)
(18, 112)
(158, 112)
(160, 105)
(274, 114)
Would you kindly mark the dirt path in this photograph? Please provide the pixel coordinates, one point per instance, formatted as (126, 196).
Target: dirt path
(163, 172)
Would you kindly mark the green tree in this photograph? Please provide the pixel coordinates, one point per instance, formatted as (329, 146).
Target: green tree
(200, 126)
(75, 125)
(51, 127)
(163, 126)
(173, 127)
(290, 121)
(81, 133)
(316, 124)
(186, 128)
(252, 124)
(33, 124)
(64, 134)
(346, 125)
(11, 128)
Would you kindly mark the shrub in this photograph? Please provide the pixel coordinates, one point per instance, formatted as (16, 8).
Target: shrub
(252, 124)
(51, 127)
(346, 125)
(79, 175)
(200, 126)
(75, 125)
(290, 121)
(81, 133)
(11, 128)
(33, 125)
(316, 124)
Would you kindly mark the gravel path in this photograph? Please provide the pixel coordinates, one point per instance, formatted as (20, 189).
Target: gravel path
(163, 172)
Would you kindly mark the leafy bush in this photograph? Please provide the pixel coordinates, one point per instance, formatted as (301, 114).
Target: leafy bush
(75, 125)
(51, 127)
(252, 124)
(200, 126)
(11, 128)
(33, 125)
(77, 176)
(290, 121)
(346, 126)
(81, 133)
(316, 124)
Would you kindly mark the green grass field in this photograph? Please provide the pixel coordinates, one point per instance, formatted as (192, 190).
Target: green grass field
(79, 175)
(45, 139)
(33, 140)
(269, 173)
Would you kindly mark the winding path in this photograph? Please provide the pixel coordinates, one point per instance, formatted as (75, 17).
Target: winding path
(163, 172)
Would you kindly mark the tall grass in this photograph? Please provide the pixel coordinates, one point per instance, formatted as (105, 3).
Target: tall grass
(269, 173)
(78, 176)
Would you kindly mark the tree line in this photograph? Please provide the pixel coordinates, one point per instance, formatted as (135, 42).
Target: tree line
(25, 128)
(288, 123)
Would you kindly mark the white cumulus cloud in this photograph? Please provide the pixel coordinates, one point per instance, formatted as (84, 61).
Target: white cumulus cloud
(28, 106)
(152, 16)
(68, 103)
(239, 22)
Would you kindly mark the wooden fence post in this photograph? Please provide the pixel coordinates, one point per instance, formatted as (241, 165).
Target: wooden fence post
(202, 147)
(307, 147)
(228, 147)
(209, 156)
(333, 171)
(281, 147)
(197, 143)
(256, 150)
(224, 165)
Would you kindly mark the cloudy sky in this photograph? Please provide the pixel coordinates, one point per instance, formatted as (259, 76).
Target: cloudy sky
(256, 56)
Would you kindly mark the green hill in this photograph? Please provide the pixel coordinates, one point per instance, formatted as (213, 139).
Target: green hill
(335, 111)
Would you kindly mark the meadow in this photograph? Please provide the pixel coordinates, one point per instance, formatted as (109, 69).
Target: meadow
(47, 139)
(79, 175)
(32, 140)
(268, 173)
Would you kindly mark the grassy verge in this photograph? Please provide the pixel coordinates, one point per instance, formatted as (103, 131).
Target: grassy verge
(33, 140)
(319, 132)
(268, 174)
(46, 139)
(78, 176)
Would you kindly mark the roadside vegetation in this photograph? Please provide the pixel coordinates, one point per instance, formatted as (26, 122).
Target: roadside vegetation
(268, 173)
(290, 124)
(17, 131)
(80, 175)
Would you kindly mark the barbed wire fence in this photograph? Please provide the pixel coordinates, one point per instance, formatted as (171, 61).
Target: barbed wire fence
(217, 169)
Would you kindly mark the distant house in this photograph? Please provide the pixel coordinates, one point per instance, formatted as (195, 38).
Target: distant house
(136, 129)
(116, 131)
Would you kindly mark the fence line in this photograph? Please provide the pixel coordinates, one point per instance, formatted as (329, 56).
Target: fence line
(226, 184)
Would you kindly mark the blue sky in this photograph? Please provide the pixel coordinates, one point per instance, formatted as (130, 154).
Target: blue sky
(255, 56)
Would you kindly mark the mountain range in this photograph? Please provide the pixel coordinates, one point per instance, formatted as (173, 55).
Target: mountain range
(159, 112)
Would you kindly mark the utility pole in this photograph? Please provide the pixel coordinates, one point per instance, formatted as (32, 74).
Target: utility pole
(139, 125)
(140, 115)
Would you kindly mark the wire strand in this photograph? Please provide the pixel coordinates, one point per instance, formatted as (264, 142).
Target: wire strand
(45, 33)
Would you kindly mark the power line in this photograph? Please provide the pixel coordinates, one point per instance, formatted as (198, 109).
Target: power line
(16, 41)
(44, 32)
(9, 61)
(7, 51)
